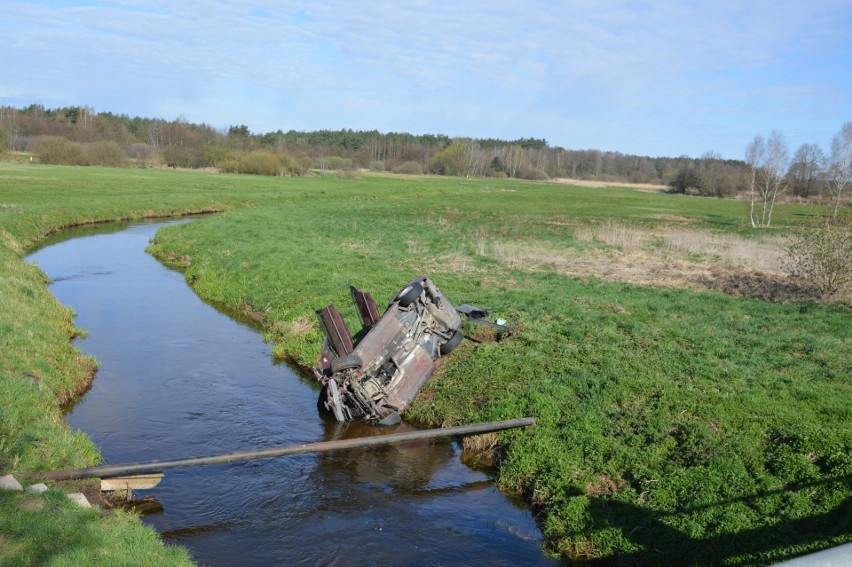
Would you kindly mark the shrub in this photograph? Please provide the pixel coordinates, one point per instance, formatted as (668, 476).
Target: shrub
(291, 166)
(57, 150)
(409, 167)
(229, 165)
(260, 162)
(108, 154)
(304, 165)
(819, 254)
(175, 156)
(531, 173)
(337, 162)
(452, 160)
(216, 154)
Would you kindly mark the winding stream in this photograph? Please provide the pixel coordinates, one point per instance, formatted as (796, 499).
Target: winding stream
(180, 379)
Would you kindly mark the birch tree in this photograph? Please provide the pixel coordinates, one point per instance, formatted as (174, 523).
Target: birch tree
(775, 180)
(753, 158)
(767, 178)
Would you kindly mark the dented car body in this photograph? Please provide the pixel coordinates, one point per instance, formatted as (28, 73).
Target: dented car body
(377, 378)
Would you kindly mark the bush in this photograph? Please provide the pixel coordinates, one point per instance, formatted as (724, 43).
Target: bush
(175, 156)
(531, 174)
(409, 167)
(452, 160)
(108, 154)
(337, 162)
(229, 165)
(58, 151)
(260, 163)
(304, 165)
(820, 255)
(215, 155)
(292, 166)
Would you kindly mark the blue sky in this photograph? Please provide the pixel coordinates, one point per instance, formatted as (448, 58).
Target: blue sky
(646, 77)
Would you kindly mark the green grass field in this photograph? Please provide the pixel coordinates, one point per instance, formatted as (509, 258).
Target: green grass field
(676, 425)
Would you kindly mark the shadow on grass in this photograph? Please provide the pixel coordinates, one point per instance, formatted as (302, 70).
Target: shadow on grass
(765, 545)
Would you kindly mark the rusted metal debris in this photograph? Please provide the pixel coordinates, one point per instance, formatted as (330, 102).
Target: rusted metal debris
(377, 378)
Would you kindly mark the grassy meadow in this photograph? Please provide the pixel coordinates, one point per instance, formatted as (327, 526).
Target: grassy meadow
(677, 424)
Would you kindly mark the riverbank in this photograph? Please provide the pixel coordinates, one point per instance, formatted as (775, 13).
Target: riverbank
(41, 371)
(673, 423)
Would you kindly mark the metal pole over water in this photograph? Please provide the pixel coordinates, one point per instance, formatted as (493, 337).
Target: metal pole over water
(318, 447)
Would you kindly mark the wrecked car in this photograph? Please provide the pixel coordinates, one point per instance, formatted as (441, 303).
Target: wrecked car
(375, 379)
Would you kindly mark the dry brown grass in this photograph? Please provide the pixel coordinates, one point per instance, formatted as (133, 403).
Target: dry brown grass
(661, 256)
(301, 326)
(10, 242)
(612, 233)
(361, 245)
(456, 261)
(731, 249)
(646, 187)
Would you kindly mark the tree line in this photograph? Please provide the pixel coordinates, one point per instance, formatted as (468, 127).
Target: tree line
(80, 135)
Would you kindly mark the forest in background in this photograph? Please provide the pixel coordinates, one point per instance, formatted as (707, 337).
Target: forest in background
(79, 135)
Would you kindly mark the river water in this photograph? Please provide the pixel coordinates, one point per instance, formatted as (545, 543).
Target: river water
(178, 378)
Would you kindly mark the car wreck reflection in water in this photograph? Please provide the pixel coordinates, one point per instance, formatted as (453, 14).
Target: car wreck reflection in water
(181, 379)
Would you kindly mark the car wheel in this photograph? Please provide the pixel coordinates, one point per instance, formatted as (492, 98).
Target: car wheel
(346, 362)
(409, 295)
(334, 401)
(451, 344)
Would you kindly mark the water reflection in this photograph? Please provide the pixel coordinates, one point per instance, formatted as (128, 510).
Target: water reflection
(403, 467)
(181, 379)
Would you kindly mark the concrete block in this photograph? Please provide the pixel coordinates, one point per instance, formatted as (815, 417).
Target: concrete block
(80, 499)
(8, 482)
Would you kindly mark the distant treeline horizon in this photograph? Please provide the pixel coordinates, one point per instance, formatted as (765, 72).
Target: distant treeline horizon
(78, 135)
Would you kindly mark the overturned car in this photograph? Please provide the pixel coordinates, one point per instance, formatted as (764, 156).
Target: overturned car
(380, 376)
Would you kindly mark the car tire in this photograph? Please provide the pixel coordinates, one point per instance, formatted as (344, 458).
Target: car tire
(409, 295)
(451, 344)
(346, 362)
(336, 406)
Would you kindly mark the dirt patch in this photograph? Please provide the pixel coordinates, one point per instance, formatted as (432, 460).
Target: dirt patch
(759, 285)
